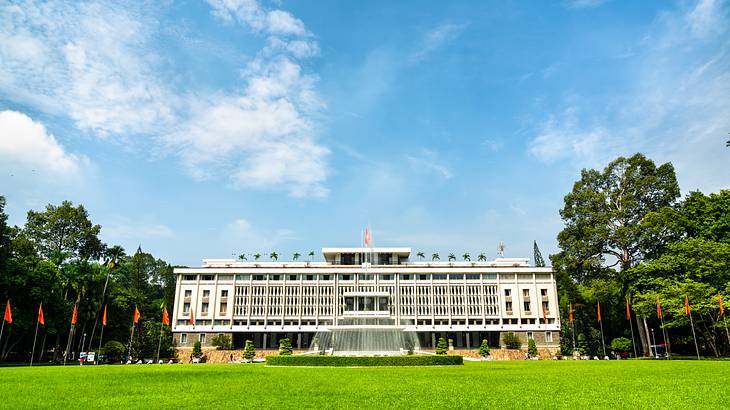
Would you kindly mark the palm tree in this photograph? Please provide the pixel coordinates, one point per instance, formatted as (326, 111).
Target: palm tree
(435, 257)
(113, 256)
(452, 257)
(311, 255)
(274, 256)
(466, 256)
(296, 256)
(242, 257)
(482, 257)
(420, 255)
(256, 256)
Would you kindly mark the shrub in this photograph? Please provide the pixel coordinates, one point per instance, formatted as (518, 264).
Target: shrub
(531, 348)
(621, 345)
(222, 342)
(249, 352)
(197, 350)
(441, 346)
(340, 361)
(113, 351)
(511, 341)
(582, 345)
(285, 347)
(484, 348)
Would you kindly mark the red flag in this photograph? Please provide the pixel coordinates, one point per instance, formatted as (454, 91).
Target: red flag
(8, 313)
(628, 310)
(103, 318)
(73, 317)
(41, 319)
(599, 311)
(367, 237)
(571, 312)
(687, 310)
(658, 309)
(165, 317)
(719, 300)
(136, 315)
(192, 317)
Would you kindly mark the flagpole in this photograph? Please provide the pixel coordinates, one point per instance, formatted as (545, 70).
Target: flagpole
(726, 331)
(159, 343)
(68, 343)
(603, 341)
(666, 339)
(2, 329)
(572, 322)
(694, 336)
(101, 337)
(32, 352)
(130, 343)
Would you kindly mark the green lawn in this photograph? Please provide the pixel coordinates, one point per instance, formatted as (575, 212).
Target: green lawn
(517, 384)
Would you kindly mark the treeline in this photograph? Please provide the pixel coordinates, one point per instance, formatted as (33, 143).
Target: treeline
(628, 237)
(57, 259)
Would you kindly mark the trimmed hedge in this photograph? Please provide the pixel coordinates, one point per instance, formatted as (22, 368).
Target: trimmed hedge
(344, 361)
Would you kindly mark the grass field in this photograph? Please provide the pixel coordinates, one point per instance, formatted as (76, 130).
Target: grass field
(516, 384)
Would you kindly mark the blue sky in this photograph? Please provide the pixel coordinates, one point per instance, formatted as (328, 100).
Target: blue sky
(203, 129)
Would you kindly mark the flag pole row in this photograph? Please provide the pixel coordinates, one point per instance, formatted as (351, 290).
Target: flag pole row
(8, 318)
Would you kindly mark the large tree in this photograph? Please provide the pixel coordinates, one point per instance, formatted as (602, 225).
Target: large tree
(604, 218)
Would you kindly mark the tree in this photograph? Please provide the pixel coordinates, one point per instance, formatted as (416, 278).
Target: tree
(452, 257)
(285, 348)
(605, 227)
(441, 346)
(531, 348)
(482, 257)
(113, 351)
(621, 345)
(511, 341)
(249, 352)
(197, 350)
(296, 256)
(311, 256)
(466, 256)
(274, 256)
(435, 257)
(484, 348)
(242, 257)
(222, 341)
(420, 255)
(583, 345)
(256, 256)
(64, 232)
(4, 236)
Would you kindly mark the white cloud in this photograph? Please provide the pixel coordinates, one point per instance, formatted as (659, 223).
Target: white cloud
(26, 146)
(493, 145)
(241, 236)
(677, 108)
(584, 4)
(437, 38)
(252, 14)
(427, 160)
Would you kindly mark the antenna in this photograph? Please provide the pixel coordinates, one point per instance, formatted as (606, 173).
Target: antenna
(539, 261)
(500, 249)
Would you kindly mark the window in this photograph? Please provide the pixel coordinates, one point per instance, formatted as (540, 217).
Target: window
(206, 293)
(346, 277)
(243, 277)
(206, 277)
(526, 306)
(258, 277)
(508, 292)
(204, 308)
(224, 293)
(387, 277)
(190, 277)
(491, 276)
(422, 277)
(325, 277)
(526, 293)
(543, 293)
(366, 276)
(183, 338)
(186, 307)
(457, 276)
(530, 336)
(188, 293)
(275, 277)
(549, 337)
(405, 277)
(545, 307)
(508, 306)
(310, 277)
(201, 337)
(439, 277)
(293, 277)
(224, 308)
(472, 276)
(225, 277)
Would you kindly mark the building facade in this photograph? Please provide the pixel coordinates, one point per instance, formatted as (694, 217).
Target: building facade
(464, 301)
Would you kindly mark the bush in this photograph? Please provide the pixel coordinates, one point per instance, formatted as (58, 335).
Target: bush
(197, 350)
(285, 347)
(511, 341)
(222, 342)
(113, 351)
(343, 361)
(582, 345)
(484, 348)
(441, 346)
(249, 352)
(621, 345)
(531, 348)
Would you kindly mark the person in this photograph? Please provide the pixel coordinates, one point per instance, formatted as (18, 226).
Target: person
(231, 358)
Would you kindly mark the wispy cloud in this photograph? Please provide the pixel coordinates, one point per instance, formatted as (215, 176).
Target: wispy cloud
(427, 160)
(583, 4)
(436, 38)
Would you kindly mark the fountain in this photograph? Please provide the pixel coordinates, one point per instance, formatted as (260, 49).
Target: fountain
(364, 340)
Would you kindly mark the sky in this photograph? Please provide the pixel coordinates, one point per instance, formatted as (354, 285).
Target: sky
(206, 129)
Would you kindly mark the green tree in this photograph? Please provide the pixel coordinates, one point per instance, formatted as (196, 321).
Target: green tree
(583, 345)
(441, 346)
(511, 341)
(311, 256)
(242, 257)
(222, 341)
(484, 348)
(197, 350)
(274, 256)
(113, 351)
(435, 257)
(296, 256)
(621, 345)
(482, 257)
(420, 255)
(466, 256)
(249, 352)
(256, 256)
(285, 348)
(531, 348)
(452, 257)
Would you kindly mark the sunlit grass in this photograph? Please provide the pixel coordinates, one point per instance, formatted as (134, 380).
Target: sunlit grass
(531, 384)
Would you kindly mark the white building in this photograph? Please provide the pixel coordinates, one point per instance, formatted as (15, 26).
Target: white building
(464, 301)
